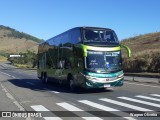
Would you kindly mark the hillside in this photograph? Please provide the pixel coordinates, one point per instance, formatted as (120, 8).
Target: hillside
(145, 53)
(143, 43)
(13, 41)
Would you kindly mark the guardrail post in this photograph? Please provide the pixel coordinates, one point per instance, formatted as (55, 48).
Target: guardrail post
(133, 78)
(159, 78)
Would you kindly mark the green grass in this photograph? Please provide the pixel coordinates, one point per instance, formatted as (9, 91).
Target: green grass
(2, 58)
(22, 66)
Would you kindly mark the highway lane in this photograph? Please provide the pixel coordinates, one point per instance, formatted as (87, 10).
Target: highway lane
(23, 91)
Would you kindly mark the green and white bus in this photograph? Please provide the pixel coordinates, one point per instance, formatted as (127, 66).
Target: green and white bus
(87, 57)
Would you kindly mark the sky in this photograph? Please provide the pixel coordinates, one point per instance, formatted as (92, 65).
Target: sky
(47, 18)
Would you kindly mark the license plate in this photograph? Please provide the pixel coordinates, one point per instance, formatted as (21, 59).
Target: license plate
(107, 85)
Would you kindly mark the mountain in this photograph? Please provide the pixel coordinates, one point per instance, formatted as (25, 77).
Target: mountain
(13, 41)
(145, 53)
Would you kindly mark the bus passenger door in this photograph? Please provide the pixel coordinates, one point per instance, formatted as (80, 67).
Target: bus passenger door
(61, 63)
(43, 62)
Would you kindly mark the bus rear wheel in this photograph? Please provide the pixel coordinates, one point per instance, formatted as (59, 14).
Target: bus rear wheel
(45, 79)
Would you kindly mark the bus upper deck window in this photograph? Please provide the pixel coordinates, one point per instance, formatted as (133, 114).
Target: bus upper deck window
(91, 35)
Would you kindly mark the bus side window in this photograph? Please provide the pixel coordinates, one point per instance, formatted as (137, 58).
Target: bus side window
(75, 36)
(67, 64)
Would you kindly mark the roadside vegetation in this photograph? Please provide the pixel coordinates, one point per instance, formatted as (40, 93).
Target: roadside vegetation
(143, 63)
(3, 58)
(145, 53)
(13, 42)
(27, 60)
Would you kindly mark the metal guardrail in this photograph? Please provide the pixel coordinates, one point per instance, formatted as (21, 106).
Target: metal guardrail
(142, 78)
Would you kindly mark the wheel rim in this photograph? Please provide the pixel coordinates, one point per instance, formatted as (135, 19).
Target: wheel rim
(43, 79)
(60, 81)
(46, 79)
(71, 84)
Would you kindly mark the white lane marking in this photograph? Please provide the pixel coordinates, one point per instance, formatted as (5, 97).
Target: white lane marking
(105, 108)
(39, 108)
(51, 91)
(92, 118)
(30, 83)
(149, 98)
(13, 76)
(42, 108)
(10, 96)
(54, 91)
(99, 106)
(70, 107)
(5, 74)
(143, 85)
(140, 101)
(155, 95)
(52, 118)
(125, 104)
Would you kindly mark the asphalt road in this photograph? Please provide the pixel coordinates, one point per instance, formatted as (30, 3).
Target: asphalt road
(22, 92)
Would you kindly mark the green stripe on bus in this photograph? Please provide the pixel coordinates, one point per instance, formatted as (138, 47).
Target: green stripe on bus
(85, 48)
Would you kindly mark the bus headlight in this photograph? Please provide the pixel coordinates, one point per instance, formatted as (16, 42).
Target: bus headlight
(121, 75)
(90, 77)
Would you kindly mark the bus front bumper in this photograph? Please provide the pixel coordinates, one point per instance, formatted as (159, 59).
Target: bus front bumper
(92, 84)
(94, 80)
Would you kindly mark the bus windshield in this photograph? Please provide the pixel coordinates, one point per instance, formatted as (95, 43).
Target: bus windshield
(103, 62)
(91, 35)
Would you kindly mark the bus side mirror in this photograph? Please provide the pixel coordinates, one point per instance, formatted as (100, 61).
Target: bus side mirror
(128, 50)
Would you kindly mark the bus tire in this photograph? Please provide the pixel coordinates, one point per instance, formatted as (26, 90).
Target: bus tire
(41, 77)
(60, 81)
(45, 79)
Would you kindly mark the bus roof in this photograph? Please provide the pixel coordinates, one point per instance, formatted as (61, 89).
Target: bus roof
(87, 27)
(81, 27)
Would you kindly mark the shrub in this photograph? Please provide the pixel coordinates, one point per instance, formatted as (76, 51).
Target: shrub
(148, 62)
(29, 58)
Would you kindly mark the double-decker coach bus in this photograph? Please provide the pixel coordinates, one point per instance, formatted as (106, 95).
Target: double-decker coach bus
(87, 57)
